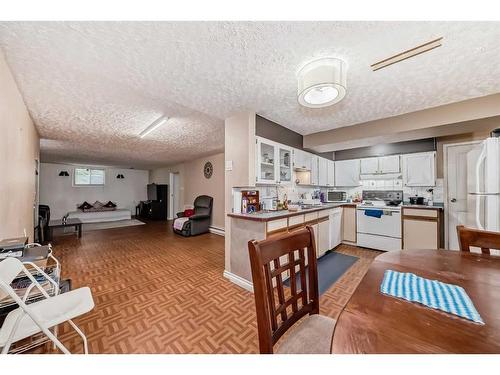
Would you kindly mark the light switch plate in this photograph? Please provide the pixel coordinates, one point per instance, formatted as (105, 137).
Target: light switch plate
(229, 165)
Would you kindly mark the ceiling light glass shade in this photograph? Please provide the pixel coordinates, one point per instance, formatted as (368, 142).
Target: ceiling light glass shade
(322, 83)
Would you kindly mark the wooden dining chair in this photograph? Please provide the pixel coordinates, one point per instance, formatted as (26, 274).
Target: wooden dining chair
(278, 307)
(483, 239)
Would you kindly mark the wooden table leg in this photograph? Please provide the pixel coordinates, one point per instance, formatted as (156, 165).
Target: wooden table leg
(79, 230)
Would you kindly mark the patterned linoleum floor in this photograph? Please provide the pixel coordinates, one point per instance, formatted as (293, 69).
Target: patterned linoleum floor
(156, 292)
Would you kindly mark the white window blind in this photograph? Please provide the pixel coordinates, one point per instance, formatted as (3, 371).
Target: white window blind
(88, 176)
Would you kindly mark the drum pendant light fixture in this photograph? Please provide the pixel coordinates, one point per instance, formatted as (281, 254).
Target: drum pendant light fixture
(322, 82)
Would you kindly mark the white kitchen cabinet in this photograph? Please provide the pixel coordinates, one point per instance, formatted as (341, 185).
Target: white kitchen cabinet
(389, 164)
(330, 173)
(266, 161)
(335, 227)
(347, 173)
(369, 166)
(380, 165)
(284, 165)
(314, 170)
(301, 159)
(322, 171)
(323, 243)
(419, 169)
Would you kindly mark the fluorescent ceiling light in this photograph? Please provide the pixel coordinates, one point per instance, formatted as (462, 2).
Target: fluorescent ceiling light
(155, 125)
(407, 54)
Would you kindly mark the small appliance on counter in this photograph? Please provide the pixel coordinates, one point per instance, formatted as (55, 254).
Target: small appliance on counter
(417, 200)
(249, 201)
(336, 196)
(12, 247)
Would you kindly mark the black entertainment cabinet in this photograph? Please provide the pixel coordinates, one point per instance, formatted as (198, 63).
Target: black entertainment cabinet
(156, 207)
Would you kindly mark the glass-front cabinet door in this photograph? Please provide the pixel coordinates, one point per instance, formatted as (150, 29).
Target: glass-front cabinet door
(266, 161)
(285, 165)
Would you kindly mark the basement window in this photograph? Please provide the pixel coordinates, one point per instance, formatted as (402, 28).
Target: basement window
(88, 177)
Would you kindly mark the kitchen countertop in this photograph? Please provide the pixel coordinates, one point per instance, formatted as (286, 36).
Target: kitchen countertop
(435, 206)
(274, 215)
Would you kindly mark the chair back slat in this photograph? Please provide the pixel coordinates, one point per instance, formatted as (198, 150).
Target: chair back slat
(485, 240)
(279, 306)
(9, 269)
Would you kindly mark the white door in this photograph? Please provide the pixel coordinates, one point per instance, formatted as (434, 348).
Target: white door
(347, 173)
(389, 164)
(322, 171)
(323, 237)
(369, 166)
(456, 194)
(174, 189)
(419, 169)
(266, 162)
(331, 173)
(314, 170)
(285, 164)
(335, 227)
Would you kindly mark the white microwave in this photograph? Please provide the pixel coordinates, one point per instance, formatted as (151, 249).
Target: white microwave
(336, 196)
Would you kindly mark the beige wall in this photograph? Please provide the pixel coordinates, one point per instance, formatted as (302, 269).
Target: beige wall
(193, 183)
(19, 147)
(439, 121)
(239, 151)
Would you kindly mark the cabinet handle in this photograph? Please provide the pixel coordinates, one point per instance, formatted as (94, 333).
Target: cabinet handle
(453, 200)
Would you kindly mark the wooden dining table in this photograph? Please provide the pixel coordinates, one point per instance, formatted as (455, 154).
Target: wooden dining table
(373, 322)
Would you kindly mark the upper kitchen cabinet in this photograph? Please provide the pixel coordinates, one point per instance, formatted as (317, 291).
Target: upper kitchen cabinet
(323, 172)
(330, 173)
(302, 160)
(369, 166)
(419, 169)
(347, 173)
(266, 161)
(285, 164)
(380, 165)
(389, 164)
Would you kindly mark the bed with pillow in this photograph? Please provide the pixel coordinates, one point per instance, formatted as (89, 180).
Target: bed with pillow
(99, 212)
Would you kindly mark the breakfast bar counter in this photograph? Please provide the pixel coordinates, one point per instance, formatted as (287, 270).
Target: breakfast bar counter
(280, 214)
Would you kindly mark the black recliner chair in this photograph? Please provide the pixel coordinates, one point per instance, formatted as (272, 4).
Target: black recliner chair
(200, 222)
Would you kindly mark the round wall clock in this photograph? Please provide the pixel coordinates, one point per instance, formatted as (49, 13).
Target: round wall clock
(208, 169)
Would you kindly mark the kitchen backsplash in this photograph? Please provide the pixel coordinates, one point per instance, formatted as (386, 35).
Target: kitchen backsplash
(294, 192)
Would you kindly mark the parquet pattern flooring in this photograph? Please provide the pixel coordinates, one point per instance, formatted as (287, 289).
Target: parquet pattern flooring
(156, 292)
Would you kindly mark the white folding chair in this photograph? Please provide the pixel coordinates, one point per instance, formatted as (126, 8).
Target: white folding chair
(39, 316)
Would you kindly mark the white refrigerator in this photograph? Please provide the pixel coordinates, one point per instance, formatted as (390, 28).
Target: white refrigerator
(483, 186)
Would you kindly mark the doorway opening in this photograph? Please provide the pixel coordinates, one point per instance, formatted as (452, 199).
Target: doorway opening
(174, 198)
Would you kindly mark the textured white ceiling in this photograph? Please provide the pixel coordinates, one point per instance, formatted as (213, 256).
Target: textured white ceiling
(92, 87)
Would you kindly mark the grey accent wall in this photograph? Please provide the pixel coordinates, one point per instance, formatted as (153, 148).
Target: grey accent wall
(407, 147)
(275, 132)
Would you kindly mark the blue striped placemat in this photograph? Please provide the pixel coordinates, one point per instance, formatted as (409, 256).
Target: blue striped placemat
(432, 293)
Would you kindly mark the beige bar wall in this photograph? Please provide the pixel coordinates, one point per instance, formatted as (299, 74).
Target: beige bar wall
(19, 150)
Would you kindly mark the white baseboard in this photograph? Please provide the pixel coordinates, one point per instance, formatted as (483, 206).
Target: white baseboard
(241, 282)
(218, 231)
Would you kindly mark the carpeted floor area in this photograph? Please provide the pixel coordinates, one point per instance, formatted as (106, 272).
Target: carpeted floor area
(156, 292)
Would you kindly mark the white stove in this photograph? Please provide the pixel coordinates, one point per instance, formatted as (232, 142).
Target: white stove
(379, 224)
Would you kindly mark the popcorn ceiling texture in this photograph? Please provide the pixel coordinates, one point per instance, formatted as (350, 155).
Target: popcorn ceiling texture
(92, 87)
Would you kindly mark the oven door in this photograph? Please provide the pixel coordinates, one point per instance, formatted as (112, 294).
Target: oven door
(388, 225)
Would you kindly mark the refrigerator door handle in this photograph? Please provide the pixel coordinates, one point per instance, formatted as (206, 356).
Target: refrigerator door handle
(480, 161)
(478, 213)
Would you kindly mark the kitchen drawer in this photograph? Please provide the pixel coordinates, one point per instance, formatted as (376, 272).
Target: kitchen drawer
(277, 224)
(323, 213)
(379, 242)
(311, 216)
(425, 212)
(295, 220)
